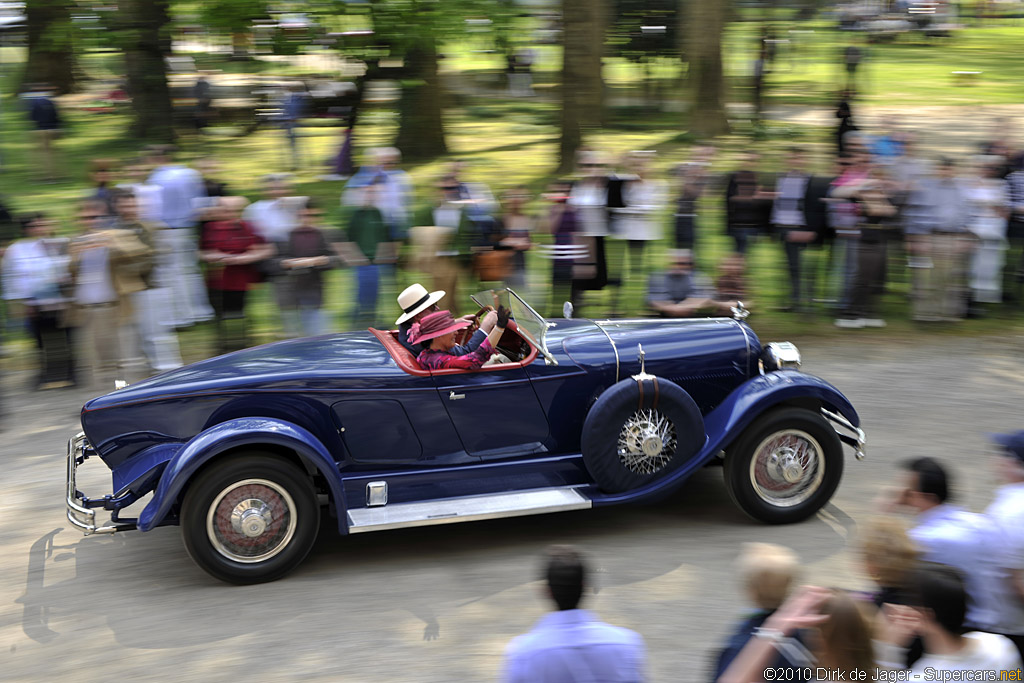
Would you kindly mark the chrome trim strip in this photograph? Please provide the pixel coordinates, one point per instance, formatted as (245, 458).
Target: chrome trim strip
(614, 348)
(858, 442)
(746, 338)
(80, 516)
(467, 509)
(664, 321)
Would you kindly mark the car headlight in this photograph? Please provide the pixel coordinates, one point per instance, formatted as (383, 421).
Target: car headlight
(780, 356)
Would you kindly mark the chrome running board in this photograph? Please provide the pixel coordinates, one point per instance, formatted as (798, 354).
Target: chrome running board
(466, 509)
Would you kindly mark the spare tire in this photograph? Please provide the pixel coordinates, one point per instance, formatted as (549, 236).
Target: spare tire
(639, 430)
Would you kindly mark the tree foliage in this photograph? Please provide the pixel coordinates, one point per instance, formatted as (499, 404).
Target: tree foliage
(233, 16)
(51, 50)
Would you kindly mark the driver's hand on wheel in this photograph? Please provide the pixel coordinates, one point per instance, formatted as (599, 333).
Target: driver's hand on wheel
(488, 321)
(503, 315)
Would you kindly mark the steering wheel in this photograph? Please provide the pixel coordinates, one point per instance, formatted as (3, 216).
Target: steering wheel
(464, 335)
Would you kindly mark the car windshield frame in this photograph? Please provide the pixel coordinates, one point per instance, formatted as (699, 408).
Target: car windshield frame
(531, 324)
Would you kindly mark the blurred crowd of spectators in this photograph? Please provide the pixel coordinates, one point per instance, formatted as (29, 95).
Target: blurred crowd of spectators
(947, 600)
(160, 245)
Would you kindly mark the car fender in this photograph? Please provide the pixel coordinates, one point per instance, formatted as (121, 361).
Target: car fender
(230, 435)
(741, 407)
(753, 397)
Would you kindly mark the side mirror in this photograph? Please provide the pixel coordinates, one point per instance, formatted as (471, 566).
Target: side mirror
(567, 309)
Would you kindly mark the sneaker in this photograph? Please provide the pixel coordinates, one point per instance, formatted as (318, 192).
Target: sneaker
(849, 323)
(873, 322)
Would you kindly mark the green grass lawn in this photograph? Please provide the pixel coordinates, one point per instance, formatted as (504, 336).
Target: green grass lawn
(509, 142)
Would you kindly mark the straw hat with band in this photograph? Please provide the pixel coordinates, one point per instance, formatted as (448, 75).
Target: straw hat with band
(415, 299)
(437, 324)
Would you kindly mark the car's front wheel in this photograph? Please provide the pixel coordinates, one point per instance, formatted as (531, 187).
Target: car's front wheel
(785, 466)
(251, 518)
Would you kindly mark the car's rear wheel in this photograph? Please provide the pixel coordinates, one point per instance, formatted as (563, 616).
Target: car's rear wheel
(785, 466)
(250, 519)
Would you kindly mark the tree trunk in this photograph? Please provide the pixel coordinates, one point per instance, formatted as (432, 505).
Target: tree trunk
(582, 85)
(705, 22)
(51, 55)
(142, 23)
(421, 128)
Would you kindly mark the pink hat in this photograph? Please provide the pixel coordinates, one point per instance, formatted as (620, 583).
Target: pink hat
(437, 324)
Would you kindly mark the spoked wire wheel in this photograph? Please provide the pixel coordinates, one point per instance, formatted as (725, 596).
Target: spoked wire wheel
(251, 520)
(787, 468)
(647, 442)
(785, 465)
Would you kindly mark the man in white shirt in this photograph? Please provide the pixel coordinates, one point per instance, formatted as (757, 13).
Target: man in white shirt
(938, 603)
(1006, 551)
(181, 188)
(946, 533)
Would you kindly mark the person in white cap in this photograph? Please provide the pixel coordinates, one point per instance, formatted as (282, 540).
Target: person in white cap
(416, 302)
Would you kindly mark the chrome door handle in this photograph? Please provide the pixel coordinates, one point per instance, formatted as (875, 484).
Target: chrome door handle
(455, 397)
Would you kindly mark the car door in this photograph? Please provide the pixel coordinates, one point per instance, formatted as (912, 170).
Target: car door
(495, 411)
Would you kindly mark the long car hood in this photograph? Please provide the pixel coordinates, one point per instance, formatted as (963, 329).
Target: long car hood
(292, 364)
(708, 357)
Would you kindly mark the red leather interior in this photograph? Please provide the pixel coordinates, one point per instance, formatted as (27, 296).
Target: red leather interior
(405, 360)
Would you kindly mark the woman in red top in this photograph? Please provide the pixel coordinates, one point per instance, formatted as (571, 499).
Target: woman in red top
(232, 251)
(437, 334)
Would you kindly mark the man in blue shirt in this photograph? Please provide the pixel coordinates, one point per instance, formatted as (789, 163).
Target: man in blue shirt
(571, 645)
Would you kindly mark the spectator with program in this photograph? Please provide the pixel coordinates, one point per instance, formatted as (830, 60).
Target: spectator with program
(155, 336)
(570, 644)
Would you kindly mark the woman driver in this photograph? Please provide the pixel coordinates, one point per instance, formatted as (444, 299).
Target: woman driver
(437, 334)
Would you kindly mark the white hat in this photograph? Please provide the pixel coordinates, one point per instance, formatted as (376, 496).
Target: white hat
(415, 299)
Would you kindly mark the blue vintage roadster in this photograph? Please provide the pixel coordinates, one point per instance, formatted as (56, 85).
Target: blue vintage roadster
(245, 451)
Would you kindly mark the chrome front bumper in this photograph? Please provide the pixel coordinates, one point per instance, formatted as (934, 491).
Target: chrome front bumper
(81, 510)
(858, 439)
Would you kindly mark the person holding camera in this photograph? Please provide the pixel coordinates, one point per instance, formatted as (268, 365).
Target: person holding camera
(106, 271)
(843, 647)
